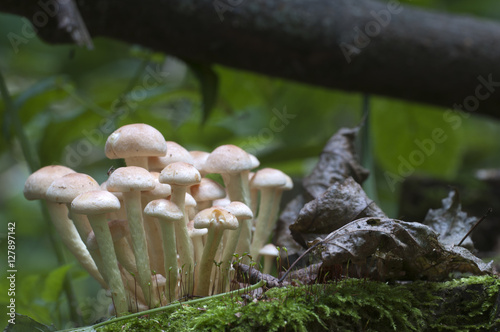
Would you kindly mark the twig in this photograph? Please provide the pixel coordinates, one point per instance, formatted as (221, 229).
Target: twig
(475, 225)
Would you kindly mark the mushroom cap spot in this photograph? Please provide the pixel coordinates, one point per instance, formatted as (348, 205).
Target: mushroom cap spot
(181, 174)
(175, 153)
(95, 202)
(130, 178)
(239, 210)
(161, 190)
(268, 178)
(199, 159)
(269, 250)
(207, 190)
(135, 140)
(66, 188)
(163, 209)
(215, 217)
(37, 183)
(228, 159)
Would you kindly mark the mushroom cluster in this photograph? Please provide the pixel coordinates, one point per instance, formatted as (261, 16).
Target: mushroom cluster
(159, 229)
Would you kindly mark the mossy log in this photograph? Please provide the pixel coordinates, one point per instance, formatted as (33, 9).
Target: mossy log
(465, 304)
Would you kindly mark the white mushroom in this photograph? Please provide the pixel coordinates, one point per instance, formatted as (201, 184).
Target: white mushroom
(216, 220)
(131, 181)
(135, 143)
(95, 205)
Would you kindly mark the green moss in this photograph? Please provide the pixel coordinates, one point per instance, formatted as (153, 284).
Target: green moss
(466, 304)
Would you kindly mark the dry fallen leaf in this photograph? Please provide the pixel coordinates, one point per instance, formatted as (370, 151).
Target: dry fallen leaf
(390, 249)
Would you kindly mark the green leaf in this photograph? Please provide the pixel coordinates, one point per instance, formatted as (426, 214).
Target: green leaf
(24, 323)
(411, 138)
(54, 283)
(209, 85)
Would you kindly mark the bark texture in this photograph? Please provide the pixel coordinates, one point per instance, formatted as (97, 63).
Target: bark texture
(363, 46)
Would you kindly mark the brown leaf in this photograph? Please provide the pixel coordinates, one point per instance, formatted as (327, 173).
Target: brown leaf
(340, 204)
(389, 249)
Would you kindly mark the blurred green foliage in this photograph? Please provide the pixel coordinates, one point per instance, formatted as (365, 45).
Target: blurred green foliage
(70, 99)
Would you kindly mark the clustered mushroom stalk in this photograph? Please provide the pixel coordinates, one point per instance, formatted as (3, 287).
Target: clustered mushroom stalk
(141, 234)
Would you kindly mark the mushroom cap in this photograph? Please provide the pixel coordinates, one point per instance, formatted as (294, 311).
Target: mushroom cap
(269, 250)
(161, 190)
(215, 217)
(195, 232)
(175, 152)
(268, 178)
(119, 229)
(37, 183)
(207, 190)
(130, 178)
(163, 209)
(288, 185)
(181, 174)
(135, 140)
(95, 202)
(228, 159)
(239, 210)
(222, 202)
(119, 195)
(189, 201)
(66, 188)
(254, 160)
(199, 159)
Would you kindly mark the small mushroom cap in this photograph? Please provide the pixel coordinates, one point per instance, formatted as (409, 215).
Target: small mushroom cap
(66, 188)
(288, 185)
(119, 229)
(161, 190)
(163, 209)
(95, 202)
(135, 140)
(130, 178)
(239, 210)
(37, 183)
(189, 201)
(207, 190)
(180, 173)
(175, 153)
(268, 178)
(254, 160)
(215, 217)
(194, 232)
(119, 195)
(199, 159)
(221, 202)
(269, 250)
(228, 159)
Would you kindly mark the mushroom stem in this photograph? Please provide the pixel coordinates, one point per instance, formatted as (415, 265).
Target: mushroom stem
(81, 223)
(155, 246)
(264, 217)
(207, 260)
(238, 189)
(110, 268)
(71, 239)
(170, 258)
(132, 200)
(137, 161)
(184, 244)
